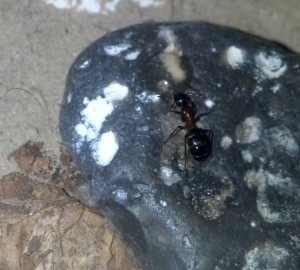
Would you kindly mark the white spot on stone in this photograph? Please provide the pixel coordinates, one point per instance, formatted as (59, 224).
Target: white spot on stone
(138, 109)
(164, 85)
(142, 129)
(166, 171)
(85, 64)
(155, 98)
(235, 56)
(94, 115)
(275, 88)
(168, 35)
(81, 130)
(226, 142)
(148, 98)
(186, 192)
(120, 194)
(144, 97)
(69, 98)
(296, 240)
(132, 55)
(114, 50)
(270, 65)
(209, 103)
(266, 256)
(249, 131)
(186, 242)
(98, 109)
(257, 89)
(115, 91)
(247, 156)
(171, 224)
(169, 176)
(163, 203)
(219, 85)
(273, 114)
(253, 224)
(282, 139)
(105, 149)
(78, 145)
(261, 180)
(295, 66)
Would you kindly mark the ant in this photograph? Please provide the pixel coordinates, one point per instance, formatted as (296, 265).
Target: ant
(198, 139)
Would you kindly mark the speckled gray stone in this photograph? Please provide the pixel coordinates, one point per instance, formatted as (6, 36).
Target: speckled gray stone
(239, 208)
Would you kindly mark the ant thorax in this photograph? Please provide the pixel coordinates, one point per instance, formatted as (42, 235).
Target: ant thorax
(197, 140)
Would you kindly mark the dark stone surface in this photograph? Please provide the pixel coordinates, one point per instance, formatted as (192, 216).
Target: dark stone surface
(240, 208)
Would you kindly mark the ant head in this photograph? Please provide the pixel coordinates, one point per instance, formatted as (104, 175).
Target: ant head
(181, 100)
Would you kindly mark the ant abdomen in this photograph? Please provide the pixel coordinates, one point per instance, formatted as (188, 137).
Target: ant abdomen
(200, 143)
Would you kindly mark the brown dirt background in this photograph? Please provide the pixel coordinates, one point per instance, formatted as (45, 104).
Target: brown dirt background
(38, 43)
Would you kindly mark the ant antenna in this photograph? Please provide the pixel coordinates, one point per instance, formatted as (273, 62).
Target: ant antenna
(193, 88)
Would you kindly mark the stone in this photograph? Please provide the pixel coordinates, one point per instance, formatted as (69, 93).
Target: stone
(237, 209)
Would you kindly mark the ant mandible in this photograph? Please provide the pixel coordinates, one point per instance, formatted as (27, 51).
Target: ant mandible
(198, 139)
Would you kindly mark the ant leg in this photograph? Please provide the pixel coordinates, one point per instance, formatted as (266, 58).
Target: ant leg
(150, 57)
(194, 89)
(174, 133)
(203, 114)
(185, 153)
(163, 98)
(173, 105)
(175, 111)
(210, 137)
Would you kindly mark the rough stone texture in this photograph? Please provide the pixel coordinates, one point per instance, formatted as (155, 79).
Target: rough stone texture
(238, 209)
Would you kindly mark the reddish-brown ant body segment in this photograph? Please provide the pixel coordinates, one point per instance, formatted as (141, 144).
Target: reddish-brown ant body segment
(198, 139)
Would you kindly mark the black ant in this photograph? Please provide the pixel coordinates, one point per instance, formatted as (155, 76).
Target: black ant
(198, 139)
